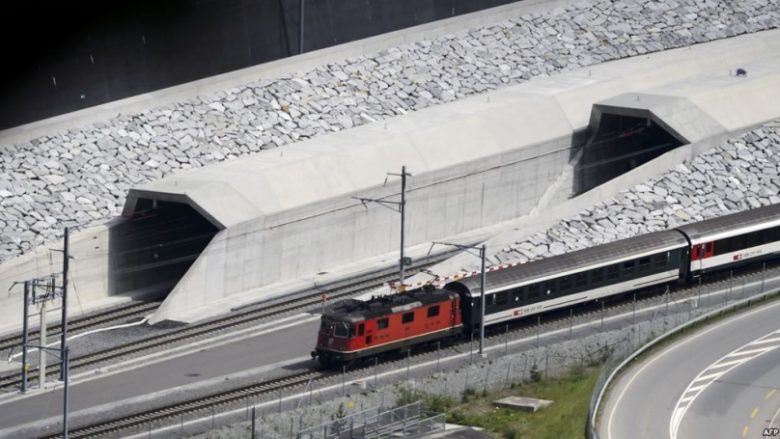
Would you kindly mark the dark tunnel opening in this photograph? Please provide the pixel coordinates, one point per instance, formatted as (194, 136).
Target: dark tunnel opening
(153, 249)
(620, 144)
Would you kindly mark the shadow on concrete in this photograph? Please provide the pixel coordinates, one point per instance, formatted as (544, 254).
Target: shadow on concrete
(151, 251)
(617, 145)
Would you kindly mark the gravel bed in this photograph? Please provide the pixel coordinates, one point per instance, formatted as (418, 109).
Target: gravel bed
(83, 174)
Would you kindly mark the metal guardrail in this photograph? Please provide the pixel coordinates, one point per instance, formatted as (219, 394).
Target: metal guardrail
(378, 423)
(614, 366)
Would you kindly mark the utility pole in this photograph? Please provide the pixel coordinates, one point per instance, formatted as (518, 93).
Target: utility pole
(30, 297)
(65, 266)
(401, 207)
(482, 255)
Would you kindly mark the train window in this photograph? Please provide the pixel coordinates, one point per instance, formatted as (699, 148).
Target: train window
(433, 311)
(382, 323)
(580, 279)
(566, 284)
(361, 329)
(533, 291)
(628, 267)
(597, 275)
(489, 299)
(659, 261)
(326, 326)
(341, 330)
(502, 298)
(613, 272)
(548, 288)
(752, 239)
(518, 293)
(407, 317)
(644, 265)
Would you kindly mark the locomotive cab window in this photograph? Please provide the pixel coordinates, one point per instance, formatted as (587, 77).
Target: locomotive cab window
(408, 317)
(433, 311)
(341, 330)
(382, 323)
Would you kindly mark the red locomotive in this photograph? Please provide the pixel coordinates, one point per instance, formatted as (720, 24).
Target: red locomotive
(353, 329)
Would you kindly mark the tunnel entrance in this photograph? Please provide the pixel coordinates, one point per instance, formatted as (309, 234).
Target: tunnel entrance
(151, 250)
(619, 144)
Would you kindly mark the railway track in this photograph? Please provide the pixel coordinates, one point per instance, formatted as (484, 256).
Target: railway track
(82, 324)
(519, 329)
(233, 320)
(195, 405)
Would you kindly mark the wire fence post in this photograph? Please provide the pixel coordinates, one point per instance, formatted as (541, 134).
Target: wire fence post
(602, 315)
(471, 349)
(376, 372)
(343, 380)
(506, 340)
(538, 324)
(763, 276)
(438, 355)
(408, 361)
(571, 320)
(254, 420)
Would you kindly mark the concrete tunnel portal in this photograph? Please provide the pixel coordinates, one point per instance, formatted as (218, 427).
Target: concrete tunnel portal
(153, 248)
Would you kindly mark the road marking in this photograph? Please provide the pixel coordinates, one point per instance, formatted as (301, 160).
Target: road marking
(770, 394)
(704, 379)
(679, 344)
(753, 415)
(745, 431)
(772, 422)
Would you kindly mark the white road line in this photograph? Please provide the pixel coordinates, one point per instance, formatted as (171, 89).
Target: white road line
(769, 340)
(772, 422)
(751, 352)
(679, 344)
(682, 405)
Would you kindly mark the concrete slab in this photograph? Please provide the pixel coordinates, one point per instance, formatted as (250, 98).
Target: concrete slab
(522, 403)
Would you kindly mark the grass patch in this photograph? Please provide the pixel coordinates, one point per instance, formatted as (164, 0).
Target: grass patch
(565, 418)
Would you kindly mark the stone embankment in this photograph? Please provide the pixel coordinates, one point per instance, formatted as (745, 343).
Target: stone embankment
(81, 176)
(739, 175)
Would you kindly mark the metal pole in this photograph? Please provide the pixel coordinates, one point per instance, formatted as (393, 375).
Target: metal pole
(253, 422)
(602, 314)
(763, 276)
(25, 334)
(538, 324)
(571, 320)
(64, 323)
(403, 215)
(42, 349)
(698, 299)
(482, 252)
(65, 366)
(731, 280)
(300, 29)
(506, 340)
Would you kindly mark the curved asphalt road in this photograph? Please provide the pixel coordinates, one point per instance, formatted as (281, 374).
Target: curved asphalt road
(722, 382)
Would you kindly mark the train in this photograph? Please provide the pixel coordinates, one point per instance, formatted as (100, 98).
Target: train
(352, 330)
